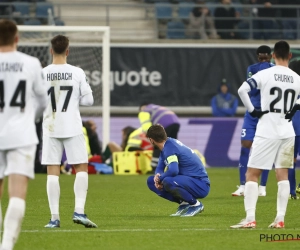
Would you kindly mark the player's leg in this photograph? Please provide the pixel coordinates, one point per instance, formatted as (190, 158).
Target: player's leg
(247, 135)
(263, 182)
(187, 189)
(3, 164)
(262, 157)
(251, 192)
(1, 193)
(162, 193)
(292, 181)
(80, 187)
(53, 193)
(292, 172)
(283, 162)
(20, 168)
(78, 157)
(244, 156)
(51, 156)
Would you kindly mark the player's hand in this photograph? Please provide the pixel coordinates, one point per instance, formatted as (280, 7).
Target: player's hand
(258, 113)
(156, 178)
(289, 115)
(157, 182)
(159, 186)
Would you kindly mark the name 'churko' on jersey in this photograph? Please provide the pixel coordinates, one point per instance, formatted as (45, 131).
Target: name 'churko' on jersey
(283, 78)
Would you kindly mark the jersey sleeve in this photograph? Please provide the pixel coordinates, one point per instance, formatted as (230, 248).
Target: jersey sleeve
(255, 82)
(40, 90)
(249, 72)
(85, 87)
(171, 160)
(160, 166)
(39, 83)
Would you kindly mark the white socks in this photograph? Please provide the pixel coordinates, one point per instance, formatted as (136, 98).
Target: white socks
(251, 195)
(12, 222)
(250, 200)
(282, 199)
(80, 191)
(53, 192)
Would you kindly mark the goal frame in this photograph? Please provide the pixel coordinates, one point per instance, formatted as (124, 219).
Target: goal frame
(105, 31)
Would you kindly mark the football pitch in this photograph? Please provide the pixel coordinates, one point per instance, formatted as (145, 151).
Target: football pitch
(129, 216)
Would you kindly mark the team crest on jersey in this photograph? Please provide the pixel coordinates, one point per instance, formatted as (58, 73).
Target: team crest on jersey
(249, 74)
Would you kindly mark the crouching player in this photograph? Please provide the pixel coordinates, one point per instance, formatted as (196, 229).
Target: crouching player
(180, 175)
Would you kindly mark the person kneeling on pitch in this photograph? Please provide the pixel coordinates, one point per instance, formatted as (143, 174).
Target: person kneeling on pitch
(185, 178)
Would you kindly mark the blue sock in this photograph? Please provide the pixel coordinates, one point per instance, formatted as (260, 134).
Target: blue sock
(292, 180)
(264, 177)
(244, 157)
(162, 193)
(178, 192)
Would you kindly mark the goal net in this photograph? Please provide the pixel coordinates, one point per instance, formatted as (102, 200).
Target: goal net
(89, 50)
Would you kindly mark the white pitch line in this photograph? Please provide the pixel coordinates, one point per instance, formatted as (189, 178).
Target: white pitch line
(144, 230)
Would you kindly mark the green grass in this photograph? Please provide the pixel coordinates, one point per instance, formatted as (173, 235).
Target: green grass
(131, 217)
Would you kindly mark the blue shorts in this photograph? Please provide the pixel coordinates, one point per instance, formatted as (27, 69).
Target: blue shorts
(297, 146)
(249, 127)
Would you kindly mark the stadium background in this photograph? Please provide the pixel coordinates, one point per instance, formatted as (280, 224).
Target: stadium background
(189, 73)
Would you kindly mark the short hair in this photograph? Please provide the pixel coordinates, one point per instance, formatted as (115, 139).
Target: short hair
(295, 66)
(282, 50)
(263, 53)
(157, 133)
(263, 49)
(60, 44)
(8, 32)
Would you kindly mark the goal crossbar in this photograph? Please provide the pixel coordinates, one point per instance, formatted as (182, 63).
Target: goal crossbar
(105, 30)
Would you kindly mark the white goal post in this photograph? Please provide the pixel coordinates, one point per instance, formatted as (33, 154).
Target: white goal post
(90, 31)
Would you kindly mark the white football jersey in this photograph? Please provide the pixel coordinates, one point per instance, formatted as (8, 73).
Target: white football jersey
(279, 88)
(21, 79)
(66, 84)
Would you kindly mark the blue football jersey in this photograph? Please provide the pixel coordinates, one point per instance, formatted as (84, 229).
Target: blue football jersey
(252, 70)
(296, 122)
(176, 158)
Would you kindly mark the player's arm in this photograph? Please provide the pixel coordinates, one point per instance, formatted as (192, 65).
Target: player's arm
(40, 90)
(289, 115)
(86, 93)
(172, 167)
(243, 91)
(160, 166)
(87, 100)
